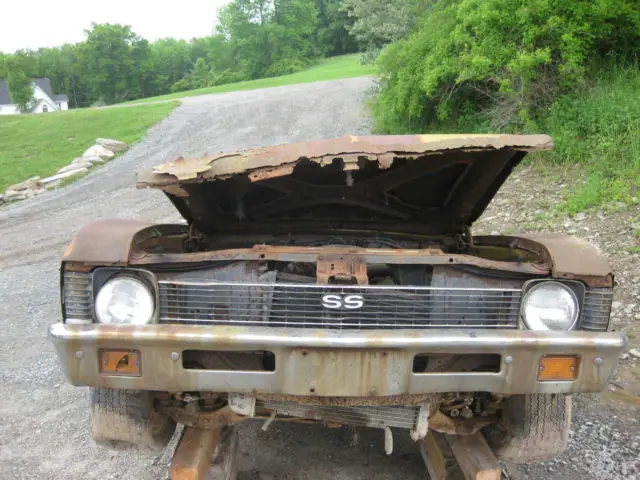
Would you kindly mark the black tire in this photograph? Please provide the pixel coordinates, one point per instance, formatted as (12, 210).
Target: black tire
(533, 428)
(128, 417)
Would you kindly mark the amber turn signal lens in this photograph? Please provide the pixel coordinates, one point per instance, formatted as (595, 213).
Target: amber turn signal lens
(555, 368)
(120, 362)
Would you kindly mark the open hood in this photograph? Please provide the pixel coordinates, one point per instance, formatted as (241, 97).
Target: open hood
(426, 184)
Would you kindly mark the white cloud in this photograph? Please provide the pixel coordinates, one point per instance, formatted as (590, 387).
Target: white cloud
(42, 23)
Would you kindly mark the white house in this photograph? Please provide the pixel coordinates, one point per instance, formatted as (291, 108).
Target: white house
(44, 99)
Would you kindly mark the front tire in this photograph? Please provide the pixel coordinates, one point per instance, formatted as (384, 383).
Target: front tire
(121, 417)
(533, 428)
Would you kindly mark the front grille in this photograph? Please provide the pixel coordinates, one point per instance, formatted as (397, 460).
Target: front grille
(77, 297)
(294, 305)
(596, 309)
(364, 416)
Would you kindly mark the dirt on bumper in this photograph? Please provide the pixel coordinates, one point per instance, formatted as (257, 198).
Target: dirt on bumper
(322, 363)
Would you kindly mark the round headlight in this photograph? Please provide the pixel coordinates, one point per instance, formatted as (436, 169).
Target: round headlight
(550, 306)
(124, 300)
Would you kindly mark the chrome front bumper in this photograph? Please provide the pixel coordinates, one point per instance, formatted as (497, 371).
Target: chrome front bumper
(335, 363)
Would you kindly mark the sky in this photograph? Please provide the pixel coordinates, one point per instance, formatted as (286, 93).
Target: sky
(31, 24)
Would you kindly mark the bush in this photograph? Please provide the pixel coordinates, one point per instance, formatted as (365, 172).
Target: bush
(285, 66)
(182, 85)
(498, 62)
(99, 103)
(228, 76)
(599, 125)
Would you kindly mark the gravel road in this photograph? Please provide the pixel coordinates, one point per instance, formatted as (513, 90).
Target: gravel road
(44, 421)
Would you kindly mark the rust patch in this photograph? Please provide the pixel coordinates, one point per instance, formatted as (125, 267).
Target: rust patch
(203, 420)
(369, 255)
(341, 269)
(458, 426)
(405, 399)
(105, 242)
(265, 162)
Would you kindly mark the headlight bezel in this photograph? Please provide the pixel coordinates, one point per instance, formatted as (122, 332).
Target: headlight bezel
(575, 288)
(102, 275)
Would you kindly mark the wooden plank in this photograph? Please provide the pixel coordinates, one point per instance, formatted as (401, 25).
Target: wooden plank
(194, 453)
(475, 457)
(438, 457)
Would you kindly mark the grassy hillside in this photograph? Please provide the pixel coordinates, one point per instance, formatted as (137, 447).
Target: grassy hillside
(42, 144)
(345, 66)
(598, 128)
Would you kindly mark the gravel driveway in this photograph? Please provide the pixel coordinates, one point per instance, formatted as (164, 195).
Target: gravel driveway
(44, 421)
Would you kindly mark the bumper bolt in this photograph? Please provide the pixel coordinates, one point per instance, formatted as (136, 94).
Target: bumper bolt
(174, 356)
(79, 354)
(598, 361)
(508, 359)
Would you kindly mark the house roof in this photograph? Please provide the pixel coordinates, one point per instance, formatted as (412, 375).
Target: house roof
(5, 97)
(45, 85)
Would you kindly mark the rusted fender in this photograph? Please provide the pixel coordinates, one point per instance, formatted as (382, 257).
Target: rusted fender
(104, 242)
(570, 258)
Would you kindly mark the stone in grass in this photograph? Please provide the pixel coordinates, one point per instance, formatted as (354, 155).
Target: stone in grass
(92, 160)
(34, 192)
(75, 166)
(113, 145)
(26, 185)
(54, 180)
(635, 353)
(13, 195)
(99, 151)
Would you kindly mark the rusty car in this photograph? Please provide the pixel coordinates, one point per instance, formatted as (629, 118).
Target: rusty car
(337, 281)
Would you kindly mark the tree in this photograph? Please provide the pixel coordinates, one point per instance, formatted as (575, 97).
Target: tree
(200, 74)
(108, 57)
(21, 89)
(334, 24)
(170, 60)
(380, 22)
(255, 38)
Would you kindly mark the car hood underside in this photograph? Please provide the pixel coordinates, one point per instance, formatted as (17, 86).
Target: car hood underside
(420, 184)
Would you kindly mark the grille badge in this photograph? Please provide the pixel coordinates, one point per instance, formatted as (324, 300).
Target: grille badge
(351, 302)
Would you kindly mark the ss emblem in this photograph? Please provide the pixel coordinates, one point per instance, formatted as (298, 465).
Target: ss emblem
(351, 302)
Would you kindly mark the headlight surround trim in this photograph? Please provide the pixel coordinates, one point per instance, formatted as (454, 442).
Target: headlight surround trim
(103, 275)
(575, 289)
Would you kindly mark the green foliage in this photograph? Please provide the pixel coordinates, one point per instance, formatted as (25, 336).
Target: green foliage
(61, 136)
(514, 66)
(256, 38)
(266, 33)
(109, 55)
(285, 66)
(377, 23)
(501, 61)
(345, 66)
(334, 24)
(599, 126)
(21, 89)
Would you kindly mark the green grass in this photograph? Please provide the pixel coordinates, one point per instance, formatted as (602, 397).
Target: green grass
(345, 66)
(41, 144)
